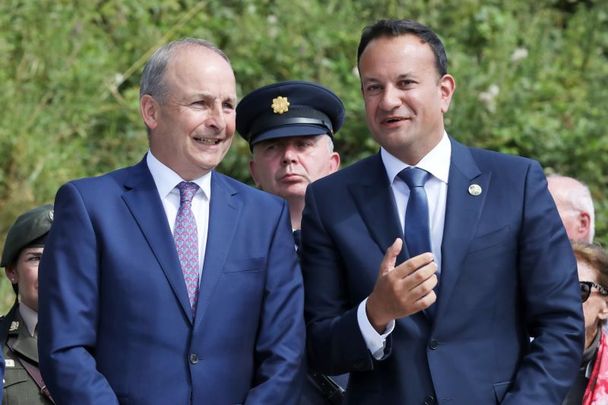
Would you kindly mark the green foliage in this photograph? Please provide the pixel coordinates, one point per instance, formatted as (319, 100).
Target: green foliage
(531, 79)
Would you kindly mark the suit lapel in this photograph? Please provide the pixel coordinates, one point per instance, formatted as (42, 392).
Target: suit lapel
(374, 199)
(25, 344)
(462, 215)
(143, 201)
(224, 214)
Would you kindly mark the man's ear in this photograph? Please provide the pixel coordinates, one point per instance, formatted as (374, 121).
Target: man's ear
(334, 162)
(252, 172)
(149, 110)
(584, 224)
(447, 86)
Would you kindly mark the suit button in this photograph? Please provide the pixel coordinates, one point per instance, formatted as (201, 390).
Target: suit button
(433, 344)
(193, 358)
(429, 400)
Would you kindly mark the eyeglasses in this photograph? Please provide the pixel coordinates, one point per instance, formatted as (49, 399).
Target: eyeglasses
(586, 287)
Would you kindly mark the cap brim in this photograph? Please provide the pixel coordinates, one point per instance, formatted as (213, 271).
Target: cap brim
(290, 130)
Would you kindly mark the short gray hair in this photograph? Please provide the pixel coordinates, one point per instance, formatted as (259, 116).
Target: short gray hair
(577, 196)
(152, 78)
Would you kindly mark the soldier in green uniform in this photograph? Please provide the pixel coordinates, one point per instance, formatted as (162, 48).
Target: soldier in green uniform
(18, 329)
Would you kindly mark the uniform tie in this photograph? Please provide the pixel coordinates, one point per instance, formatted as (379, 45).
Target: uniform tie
(417, 234)
(186, 240)
(297, 237)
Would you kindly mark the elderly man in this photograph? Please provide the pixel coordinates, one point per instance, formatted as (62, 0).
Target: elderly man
(168, 282)
(290, 127)
(575, 206)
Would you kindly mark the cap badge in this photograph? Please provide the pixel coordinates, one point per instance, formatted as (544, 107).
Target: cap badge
(14, 326)
(280, 105)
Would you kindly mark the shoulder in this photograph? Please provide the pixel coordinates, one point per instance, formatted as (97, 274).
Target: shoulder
(116, 177)
(366, 171)
(246, 192)
(503, 165)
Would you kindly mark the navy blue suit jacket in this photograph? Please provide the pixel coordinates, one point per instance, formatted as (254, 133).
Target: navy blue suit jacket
(115, 321)
(1, 373)
(508, 274)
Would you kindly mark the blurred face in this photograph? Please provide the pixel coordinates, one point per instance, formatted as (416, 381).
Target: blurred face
(405, 98)
(286, 166)
(192, 128)
(25, 273)
(595, 309)
(577, 222)
(573, 221)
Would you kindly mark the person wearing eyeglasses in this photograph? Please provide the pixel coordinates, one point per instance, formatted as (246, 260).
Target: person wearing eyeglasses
(591, 384)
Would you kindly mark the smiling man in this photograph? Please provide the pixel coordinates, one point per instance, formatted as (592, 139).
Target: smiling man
(168, 282)
(430, 265)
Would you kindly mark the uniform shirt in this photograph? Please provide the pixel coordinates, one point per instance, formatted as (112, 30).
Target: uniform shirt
(166, 181)
(30, 318)
(437, 163)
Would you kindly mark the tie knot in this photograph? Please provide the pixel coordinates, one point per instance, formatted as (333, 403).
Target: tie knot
(187, 189)
(414, 176)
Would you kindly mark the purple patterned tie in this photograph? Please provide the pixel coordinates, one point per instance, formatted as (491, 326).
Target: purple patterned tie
(186, 240)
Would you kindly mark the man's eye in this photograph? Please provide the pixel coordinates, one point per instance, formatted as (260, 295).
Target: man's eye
(372, 89)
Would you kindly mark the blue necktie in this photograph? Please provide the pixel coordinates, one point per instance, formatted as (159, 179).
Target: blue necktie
(417, 234)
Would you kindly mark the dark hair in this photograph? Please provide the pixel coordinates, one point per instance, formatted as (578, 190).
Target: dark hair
(396, 28)
(595, 256)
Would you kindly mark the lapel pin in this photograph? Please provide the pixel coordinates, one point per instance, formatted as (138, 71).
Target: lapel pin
(475, 189)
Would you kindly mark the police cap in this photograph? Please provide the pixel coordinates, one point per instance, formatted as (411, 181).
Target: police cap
(30, 229)
(291, 108)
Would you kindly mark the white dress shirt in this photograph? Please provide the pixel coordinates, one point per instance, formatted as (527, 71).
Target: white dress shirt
(437, 163)
(166, 181)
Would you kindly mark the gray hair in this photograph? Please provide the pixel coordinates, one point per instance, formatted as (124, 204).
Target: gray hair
(576, 196)
(152, 79)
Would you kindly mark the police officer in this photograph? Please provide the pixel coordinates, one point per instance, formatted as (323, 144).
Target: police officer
(290, 127)
(18, 330)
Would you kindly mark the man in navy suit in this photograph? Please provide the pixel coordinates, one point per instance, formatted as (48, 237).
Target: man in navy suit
(167, 282)
(452, 323)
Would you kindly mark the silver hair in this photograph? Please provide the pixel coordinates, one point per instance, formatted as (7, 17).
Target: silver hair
(330, 143)
(577, 197)
(152, 79)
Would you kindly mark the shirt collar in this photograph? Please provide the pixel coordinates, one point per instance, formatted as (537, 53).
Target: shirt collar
(166, 179)
(436, 162)
(29, 316)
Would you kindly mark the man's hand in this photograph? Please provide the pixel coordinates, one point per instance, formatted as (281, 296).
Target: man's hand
(403, 290)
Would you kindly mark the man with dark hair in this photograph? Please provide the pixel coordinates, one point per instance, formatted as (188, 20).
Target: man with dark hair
(430, 266)
(168, 282)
